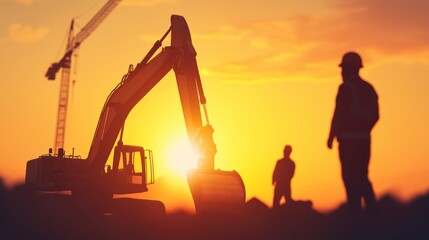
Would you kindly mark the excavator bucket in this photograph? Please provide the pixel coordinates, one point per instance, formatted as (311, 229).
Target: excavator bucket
(216, 191)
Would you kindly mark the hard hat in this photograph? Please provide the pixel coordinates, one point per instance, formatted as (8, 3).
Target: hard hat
(351, 59)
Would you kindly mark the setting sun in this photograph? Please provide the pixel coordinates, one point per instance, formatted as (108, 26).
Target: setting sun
(180, 156)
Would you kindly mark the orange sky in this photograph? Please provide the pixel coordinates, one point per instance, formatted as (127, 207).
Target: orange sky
(269, 70)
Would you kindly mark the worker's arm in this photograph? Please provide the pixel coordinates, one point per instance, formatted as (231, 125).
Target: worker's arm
(293, 169)
(338, 115)
(275, 174)
(375, 109)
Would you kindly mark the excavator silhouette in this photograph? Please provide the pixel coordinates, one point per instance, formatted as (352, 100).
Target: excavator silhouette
(212, 190)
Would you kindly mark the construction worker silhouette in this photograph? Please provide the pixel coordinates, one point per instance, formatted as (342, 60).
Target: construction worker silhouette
(282, 176)
(356, 113)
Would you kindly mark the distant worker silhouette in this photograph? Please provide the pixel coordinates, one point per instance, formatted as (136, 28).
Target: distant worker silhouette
(356, 113)
(282, 176)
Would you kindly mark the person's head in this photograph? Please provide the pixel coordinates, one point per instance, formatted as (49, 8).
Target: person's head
(287, 150)
(350, 64)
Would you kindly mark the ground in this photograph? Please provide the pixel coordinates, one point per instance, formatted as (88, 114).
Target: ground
(29, 215)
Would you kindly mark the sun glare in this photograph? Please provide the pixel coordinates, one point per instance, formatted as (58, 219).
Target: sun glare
(180, 157)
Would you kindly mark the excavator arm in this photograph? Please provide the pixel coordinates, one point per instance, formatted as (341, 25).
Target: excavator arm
(133, 87)
(181, 57)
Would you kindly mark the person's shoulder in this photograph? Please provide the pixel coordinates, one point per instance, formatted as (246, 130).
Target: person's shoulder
(342, 86)
(368, 86)
(343, 90)
(365, 83)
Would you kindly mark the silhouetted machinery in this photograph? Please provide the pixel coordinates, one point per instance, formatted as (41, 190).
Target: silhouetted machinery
(212, 190)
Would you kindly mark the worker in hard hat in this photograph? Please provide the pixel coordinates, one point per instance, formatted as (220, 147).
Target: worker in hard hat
(356, 113)
(282, 177)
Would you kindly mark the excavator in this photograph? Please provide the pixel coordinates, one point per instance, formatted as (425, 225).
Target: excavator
(212, 190)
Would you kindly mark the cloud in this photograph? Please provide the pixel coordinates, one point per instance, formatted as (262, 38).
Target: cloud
(146, 2)
(225, 33)
(272, 51)
(27, 2)
(312, 45)
(26, 34)
(391, 27)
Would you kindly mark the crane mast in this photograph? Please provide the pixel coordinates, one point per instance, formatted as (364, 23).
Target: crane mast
(73, 42)
(64, 93)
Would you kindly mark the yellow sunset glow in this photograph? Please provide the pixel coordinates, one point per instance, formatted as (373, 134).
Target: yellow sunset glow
(180, 157)
(270, 74)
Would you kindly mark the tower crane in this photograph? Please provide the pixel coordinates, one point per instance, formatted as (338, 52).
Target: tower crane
(73, 43)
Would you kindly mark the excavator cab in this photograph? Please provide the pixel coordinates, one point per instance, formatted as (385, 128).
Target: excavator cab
(124, 176)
